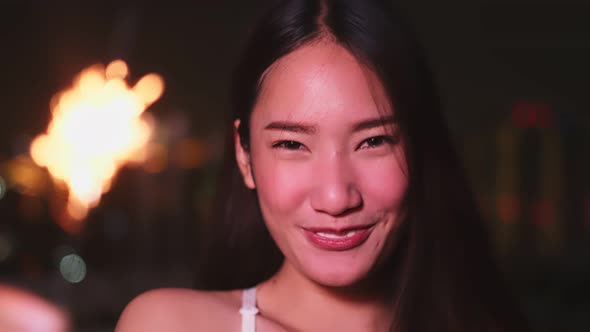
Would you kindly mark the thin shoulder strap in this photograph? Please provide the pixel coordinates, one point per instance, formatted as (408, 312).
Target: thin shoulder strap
(249, 310)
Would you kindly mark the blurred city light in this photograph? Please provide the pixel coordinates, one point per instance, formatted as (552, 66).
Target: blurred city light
(6, 247)
(72, 268)
(97, 126)
(2, 187)
(526, 114)
(509, 208)
(508, 204)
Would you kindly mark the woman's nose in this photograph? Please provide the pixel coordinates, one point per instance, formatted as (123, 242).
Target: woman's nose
(335, 190)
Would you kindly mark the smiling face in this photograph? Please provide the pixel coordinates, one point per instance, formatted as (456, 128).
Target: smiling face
(326, 162)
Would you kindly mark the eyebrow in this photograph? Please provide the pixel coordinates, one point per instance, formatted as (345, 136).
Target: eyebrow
(372, 123)
(299, 127)
(295, 127)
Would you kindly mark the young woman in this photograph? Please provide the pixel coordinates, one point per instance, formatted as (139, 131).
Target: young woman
(342, 204)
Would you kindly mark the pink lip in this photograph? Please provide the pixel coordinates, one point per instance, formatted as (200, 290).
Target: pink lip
(338, 244)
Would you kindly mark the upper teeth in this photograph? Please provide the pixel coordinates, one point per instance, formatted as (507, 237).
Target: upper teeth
(335, 236)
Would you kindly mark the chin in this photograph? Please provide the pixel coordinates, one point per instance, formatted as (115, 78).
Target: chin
(336, 282)
(337, 275)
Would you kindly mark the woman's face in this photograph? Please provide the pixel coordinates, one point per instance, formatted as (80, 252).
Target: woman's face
(326, 162)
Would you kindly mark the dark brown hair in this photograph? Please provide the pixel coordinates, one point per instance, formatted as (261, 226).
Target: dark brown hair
(443, 273)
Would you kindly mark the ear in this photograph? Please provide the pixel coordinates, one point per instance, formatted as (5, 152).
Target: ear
(243, 158)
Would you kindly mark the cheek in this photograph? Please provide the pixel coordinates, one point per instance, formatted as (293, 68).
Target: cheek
(281, 187)
(384, 183)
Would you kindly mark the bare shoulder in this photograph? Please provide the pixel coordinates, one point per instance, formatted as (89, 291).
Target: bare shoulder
(179, 310)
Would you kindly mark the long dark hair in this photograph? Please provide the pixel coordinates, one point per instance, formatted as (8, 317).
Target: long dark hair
(445, 278)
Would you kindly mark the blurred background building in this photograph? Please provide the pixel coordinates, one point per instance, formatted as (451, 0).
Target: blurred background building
(513, 77)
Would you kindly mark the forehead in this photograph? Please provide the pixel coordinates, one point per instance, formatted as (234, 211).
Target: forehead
(321, 81)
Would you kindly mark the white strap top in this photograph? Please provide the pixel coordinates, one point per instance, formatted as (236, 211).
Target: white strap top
(249, 310)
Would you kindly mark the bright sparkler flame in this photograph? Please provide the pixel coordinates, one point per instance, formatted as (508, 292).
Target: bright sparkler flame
(97, 127)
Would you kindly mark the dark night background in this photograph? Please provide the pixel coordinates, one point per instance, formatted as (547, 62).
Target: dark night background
(514, 80)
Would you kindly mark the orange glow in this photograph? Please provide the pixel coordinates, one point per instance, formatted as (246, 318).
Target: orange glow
(25, 176)
(149, 88)
(157, 158)
(189, 153)
(117, 69)
(96, 128)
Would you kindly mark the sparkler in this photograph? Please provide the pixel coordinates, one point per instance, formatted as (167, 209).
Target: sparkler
(98, 125)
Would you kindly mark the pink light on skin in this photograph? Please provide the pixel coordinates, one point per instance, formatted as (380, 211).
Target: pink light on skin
(324, 156)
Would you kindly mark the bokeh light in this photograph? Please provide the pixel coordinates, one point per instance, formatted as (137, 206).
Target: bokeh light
(72, 268)
(6, 247)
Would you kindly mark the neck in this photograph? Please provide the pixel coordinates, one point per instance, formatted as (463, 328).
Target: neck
(298, 303)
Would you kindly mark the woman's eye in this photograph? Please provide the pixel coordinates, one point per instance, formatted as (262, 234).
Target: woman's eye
(289, 145)
(377, 141)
